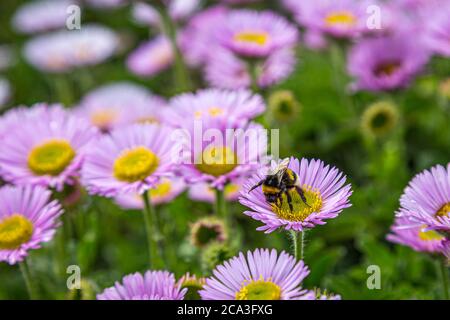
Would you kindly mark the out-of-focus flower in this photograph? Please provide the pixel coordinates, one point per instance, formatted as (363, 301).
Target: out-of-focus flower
(254, 34)
(153, 285)
(319, 294)
(315, 40)
(5, 92)
(45, 148)
(342, 19)
(165, 191)
(145, 14)
(151, 57)
(203, 192)
(223, 160)
(27, 219)
(378, 69)
(222, 109)
(132, 159)
(64, 50)
(199, 38)
(6, 57)
(106, 4)
(426, 199)
(193, 284)
(261, 275)
(42, 15)
(323, 188)
(417, 238)
(379, 118)
(119, 104)
(206, 231)
(283, 106)
(229, 72)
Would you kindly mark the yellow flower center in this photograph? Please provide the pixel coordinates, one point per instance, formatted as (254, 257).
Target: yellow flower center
(147, 120)
(254, 37)
(429, 235)
(344, 18)
(259, 290)
(15, 230)
(230, 189)
(161, 190)
(217, 161)
(444, 210)
(300, 210)
(103, 119)
(135, 164)
(51, 157)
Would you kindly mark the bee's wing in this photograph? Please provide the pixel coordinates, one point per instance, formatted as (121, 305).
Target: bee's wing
(281, 167)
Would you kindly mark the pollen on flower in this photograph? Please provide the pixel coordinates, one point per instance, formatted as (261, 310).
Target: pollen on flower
(300, 210)
(135, 164)
(343, 18)
(103, 119)
(444, 210)
(429, 235)
(386, 68)
(51, 157)
(215, 111)
(162, 189)
(217, 161)
(15, 230)
(254, 37)
(259, 290)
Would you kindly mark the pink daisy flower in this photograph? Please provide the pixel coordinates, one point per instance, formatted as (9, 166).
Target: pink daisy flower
(45, 148)
(132, 159)
(324, 190)
(204, 193)
(153, 285)
(417, 238)
(28, 218)
(260, 275)
(219, 108)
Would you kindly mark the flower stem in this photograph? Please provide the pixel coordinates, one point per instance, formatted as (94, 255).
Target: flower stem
(29, 282)
(298, 241)
(445, 284)
(182, 78)
(220, 206)
(151, 231)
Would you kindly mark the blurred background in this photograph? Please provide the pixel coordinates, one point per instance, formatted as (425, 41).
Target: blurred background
(326, 124)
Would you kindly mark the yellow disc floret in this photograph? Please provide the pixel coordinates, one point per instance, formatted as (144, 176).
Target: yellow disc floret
(300, 210)
(15, 230)
(217, 161)
(162, 189)
(429, 235)
(51, 157)
(135, 164)
(253, 37)
(259, 290)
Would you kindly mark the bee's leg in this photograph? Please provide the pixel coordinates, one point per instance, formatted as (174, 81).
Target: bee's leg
(256, 186)
(302, 195)
(289, 199)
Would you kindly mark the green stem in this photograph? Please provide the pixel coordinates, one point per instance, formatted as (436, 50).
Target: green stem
(183, 81)
(444, 274)
(60, 252)
(151, 231)
(221, 207)
(29, 282)
(298, 241)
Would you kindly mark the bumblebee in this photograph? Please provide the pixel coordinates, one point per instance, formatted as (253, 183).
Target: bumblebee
(280, 181)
